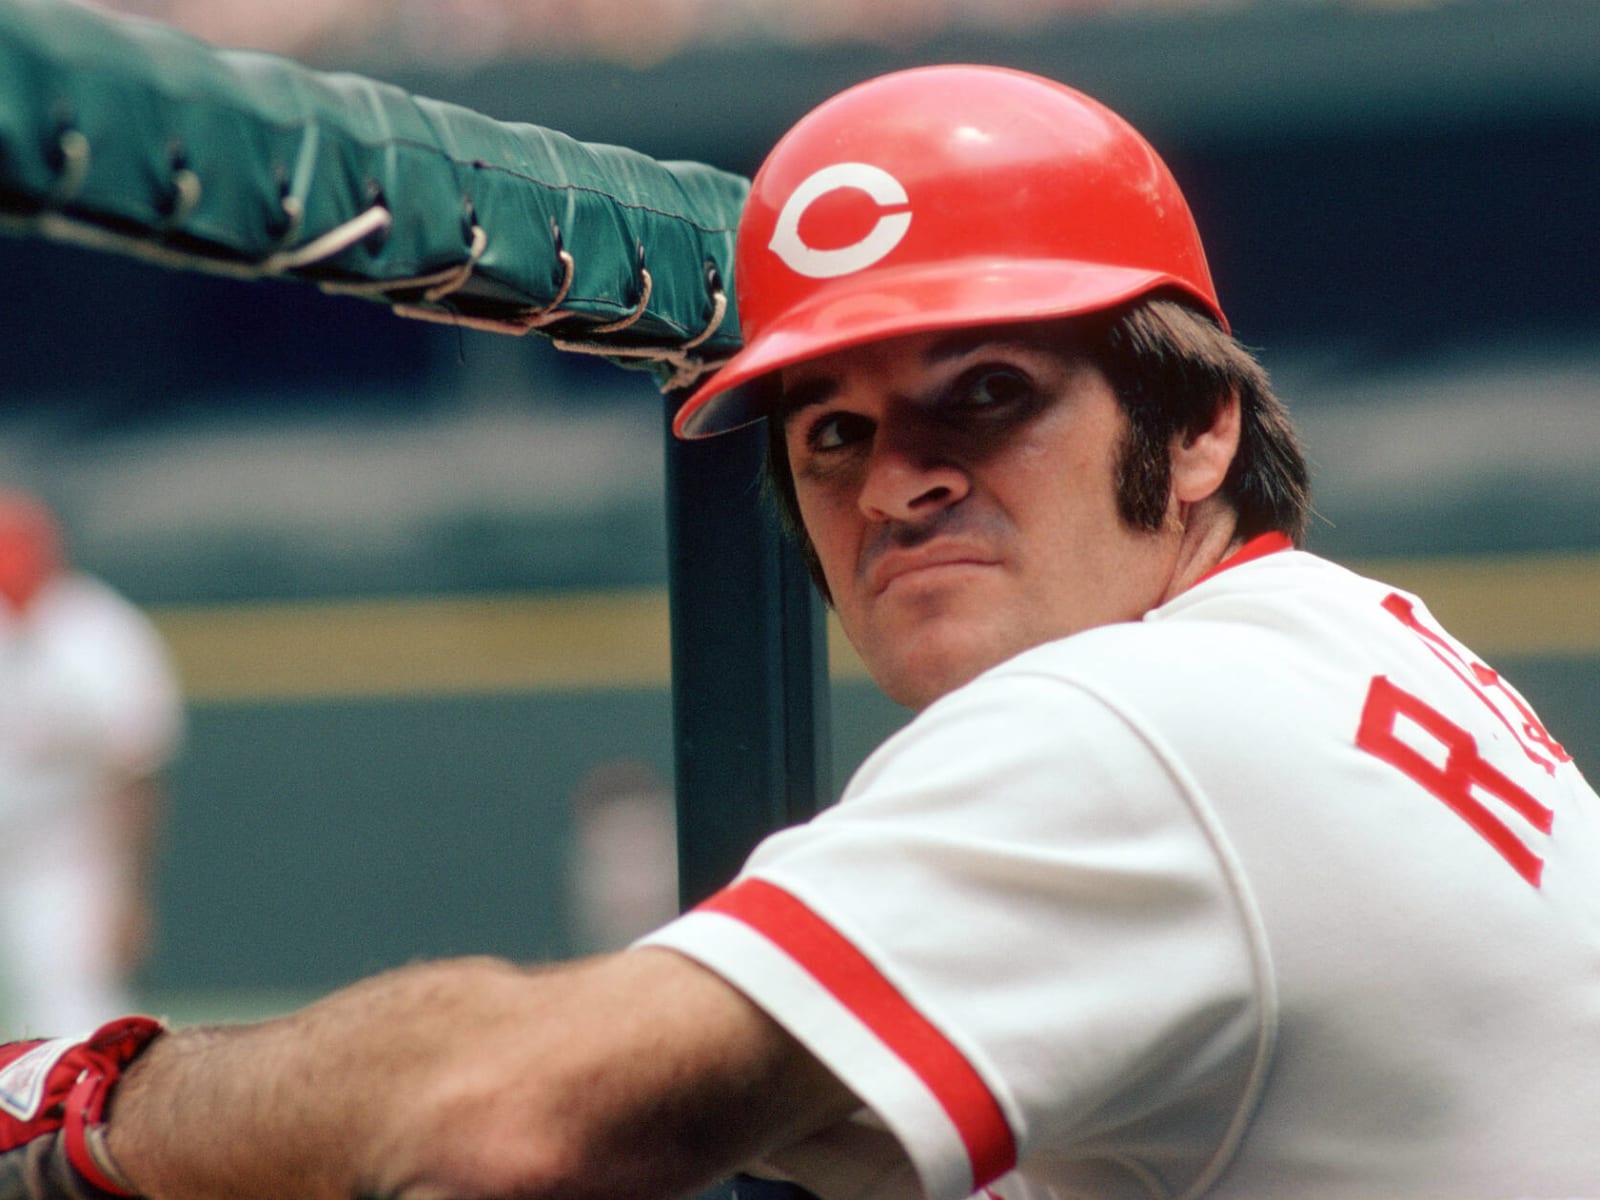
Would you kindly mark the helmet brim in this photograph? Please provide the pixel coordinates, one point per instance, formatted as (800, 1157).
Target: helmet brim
(894, 302)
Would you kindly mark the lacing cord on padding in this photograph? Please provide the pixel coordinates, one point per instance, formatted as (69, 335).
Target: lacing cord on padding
(682, 368)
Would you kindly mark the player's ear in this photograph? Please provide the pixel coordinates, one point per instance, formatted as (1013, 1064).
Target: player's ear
(1201, 457)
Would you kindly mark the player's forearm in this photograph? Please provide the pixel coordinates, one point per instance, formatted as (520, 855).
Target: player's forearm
(186, 1123)
(296, 1106)
(630, 1075)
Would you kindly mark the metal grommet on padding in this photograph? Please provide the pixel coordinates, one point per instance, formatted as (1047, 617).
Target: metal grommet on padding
(184, 195)
(70, 158)
(719, 305)
(646, 286)
(290, 205)
(376, 199)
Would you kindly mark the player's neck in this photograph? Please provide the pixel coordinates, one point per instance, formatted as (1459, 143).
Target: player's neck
(1210, 532)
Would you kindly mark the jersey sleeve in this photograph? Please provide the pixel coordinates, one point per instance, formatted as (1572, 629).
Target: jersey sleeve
(1017, 934)
(149, 729)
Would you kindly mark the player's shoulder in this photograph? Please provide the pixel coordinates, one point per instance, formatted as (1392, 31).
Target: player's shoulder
(1289, 602)
(1289, 581)
(86, 611)
(78, 590)
(83, 600)
(1278, 627)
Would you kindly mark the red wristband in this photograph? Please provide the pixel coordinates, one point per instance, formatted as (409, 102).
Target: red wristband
(111, 1047)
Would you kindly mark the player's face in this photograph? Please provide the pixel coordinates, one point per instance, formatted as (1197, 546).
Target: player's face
(960, 491)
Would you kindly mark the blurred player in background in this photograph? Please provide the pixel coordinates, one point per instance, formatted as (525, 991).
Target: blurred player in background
(622, 875)
(1206, 868)
(90, 715)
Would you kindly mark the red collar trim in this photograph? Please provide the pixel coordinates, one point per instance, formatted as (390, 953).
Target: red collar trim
(1257, 547)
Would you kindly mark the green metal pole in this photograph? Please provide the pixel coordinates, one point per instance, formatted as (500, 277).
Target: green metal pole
(749, 678)
(749, 661)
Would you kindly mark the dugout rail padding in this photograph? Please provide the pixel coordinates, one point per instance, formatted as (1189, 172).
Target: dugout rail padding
(127, 135)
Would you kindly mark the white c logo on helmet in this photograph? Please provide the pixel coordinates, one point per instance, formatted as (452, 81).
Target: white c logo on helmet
(884, 236)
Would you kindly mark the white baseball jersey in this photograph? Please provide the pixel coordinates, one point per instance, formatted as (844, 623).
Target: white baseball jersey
(1279, 892)
(87, 700)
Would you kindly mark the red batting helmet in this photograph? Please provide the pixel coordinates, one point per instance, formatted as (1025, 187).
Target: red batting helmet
(30, 548)
(942, 197)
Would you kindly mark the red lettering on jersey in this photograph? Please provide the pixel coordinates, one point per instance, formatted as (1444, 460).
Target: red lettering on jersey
(1531, 728)
(1479, 677)
(1463, 770)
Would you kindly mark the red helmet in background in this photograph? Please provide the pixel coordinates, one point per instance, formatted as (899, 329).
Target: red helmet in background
(30, 549)
(943, 197)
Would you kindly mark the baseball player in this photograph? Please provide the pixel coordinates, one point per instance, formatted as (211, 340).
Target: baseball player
(1206, 868)
(90, 716)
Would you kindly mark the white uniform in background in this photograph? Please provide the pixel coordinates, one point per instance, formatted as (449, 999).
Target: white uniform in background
(1281, 878)
(88, 703)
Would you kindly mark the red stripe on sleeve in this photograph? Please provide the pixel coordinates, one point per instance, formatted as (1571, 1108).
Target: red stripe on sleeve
(846, 973)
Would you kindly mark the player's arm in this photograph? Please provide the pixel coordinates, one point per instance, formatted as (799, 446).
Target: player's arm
(633, 1074)
(136, 810)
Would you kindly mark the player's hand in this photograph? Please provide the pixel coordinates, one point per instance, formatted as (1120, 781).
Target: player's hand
(52, 1112)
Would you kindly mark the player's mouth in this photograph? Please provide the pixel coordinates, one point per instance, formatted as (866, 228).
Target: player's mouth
(923, 564)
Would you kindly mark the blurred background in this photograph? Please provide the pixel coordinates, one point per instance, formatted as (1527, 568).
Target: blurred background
(413, 577)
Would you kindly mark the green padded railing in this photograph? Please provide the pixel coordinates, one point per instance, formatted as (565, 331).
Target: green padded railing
(129, 136)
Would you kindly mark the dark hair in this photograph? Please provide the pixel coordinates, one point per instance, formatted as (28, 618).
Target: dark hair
(1170, 367)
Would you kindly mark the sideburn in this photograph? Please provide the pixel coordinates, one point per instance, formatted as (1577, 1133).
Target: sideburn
(1144, 477)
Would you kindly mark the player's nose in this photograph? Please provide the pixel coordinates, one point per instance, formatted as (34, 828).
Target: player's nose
(908, 479)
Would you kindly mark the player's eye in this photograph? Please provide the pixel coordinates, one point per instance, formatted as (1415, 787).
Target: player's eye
(837, 430)
(990, 386)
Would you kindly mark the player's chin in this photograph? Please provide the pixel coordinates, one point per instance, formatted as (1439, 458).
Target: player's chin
(925, 638)
(935, 660)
